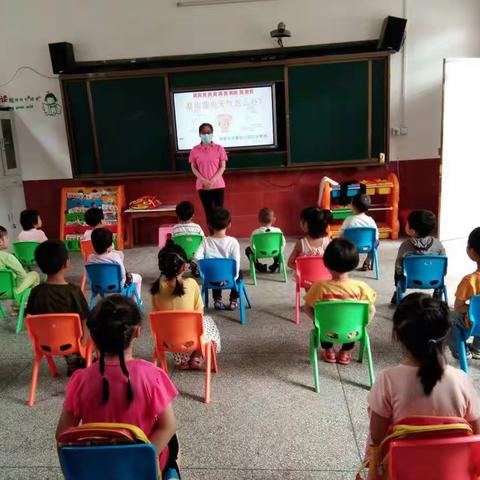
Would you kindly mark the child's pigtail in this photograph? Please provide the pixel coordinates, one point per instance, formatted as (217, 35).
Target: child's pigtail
(123, 366)
(105, 384)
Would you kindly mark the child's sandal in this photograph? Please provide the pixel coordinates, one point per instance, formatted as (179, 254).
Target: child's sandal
(218, 305)
(196, 362)
(184, 365)
(233, 305)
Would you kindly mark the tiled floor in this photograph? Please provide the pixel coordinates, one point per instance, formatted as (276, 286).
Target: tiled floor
(264, 422)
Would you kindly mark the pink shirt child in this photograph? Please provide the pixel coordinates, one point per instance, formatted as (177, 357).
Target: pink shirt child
(206, 158)
(152, 389)
(398, 393)
(32, 235)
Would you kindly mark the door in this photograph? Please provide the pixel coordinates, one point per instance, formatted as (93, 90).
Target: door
(7, 145)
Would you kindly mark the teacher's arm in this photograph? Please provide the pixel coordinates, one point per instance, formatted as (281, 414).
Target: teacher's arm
(205, 182)
(219, 172)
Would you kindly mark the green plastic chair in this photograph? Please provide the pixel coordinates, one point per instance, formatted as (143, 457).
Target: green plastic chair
(267, 245)
(25, 252)
(7, 292)
(341, 317)
(189, 242)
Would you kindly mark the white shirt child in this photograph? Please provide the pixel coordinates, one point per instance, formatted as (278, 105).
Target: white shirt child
(264, 229)
(222, 247)
(187, 228)
(32, 235)
(360, 220)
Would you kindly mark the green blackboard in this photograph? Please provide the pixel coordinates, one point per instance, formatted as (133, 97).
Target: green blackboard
(329, 112)
(379, 107)
(132, 124)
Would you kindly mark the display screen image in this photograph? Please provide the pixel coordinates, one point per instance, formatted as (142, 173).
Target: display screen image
(241, 117)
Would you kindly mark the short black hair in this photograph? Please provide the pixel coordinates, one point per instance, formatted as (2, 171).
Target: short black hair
(422, 221)
(93, 216)
(28, 219)
(205, 125)
(474, 240)
(341, 255)
(185, 210)
(219, 218)
(362, 202)
(3, 232)
(51, 256)
(102, 239)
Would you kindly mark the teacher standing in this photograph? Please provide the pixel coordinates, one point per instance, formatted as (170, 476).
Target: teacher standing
(208, 161)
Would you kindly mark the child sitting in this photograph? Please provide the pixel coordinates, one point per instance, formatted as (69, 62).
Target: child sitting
(121, 389)
(93, 218)
(172, 292)
(56, 295)
(420, 225)
(341, 257)
(23, 279)
(102, 242)
(31, 223)
(314, 222)
(220, 245)
(185, 211)
(266, 218)
(469, 286)
(360, 205)
(423, 384)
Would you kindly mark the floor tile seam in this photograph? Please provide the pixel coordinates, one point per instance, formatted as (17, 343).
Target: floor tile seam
(239, 469)
(350, 417)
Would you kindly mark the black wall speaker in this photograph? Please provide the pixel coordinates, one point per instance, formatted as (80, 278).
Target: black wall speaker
(63, 59)
(393, 34)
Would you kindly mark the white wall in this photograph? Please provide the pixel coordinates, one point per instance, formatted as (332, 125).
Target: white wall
(106, 29)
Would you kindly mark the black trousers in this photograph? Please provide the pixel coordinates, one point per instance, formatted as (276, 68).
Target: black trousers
(211, 198)
(345, 346)
(172, 455)
(217, 294)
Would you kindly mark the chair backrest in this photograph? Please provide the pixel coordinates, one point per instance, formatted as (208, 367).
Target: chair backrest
(310, 270)
(119, 462)
(55, 333)
(218, 271)
(86, 247)
(189, 242)
(474, 315)
(177, 330)
(364, 238)
(267, 244)
(341, 321)
(440, 458)
(25, 251)
(7, 284)
(424, 271)
(104, 277)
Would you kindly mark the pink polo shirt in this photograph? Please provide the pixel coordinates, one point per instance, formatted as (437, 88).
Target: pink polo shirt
(206, 159)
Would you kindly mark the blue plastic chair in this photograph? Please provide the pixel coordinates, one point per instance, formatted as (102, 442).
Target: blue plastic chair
(365, 239)
(109, 462)
(423, 272)
(105, 278)
(215, 271)
(461, 335)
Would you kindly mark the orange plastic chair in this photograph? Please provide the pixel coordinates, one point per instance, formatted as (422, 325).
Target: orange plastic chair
(181, 331)
(55, 334)
(87, 249)
(308, 271)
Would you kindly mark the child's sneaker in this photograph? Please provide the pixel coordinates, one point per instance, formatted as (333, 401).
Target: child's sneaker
(329, 355)
(233, 305)
(218, 305)
(456, 356)
(260, 267)
(170, 474)
(343, 357)
(475, 353)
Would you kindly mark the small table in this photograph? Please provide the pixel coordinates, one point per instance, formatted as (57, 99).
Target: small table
(133, 214)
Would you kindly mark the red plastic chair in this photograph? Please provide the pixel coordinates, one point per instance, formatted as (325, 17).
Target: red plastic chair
(309, 270)
(52, 335)
(87, 249)
(439, 459)
(181, 331)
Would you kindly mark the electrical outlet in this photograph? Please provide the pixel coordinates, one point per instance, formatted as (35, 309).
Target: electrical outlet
(395, 131)
(403, 130)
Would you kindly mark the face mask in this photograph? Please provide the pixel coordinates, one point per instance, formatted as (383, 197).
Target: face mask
(206, 137)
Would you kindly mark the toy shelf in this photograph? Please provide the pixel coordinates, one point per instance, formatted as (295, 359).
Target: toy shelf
(75, 201)
(385, 194)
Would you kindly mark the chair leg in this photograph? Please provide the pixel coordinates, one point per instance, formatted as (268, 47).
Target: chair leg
(208, 372)
(21, 311)
(241, 299)
(314, 361)
(375, 258)
(371, 373)
(445, 294)
(297, 305)
(461, 347)
(3, 313)
(163, 362)
(33, 385)
(284, 268)
(253, 273)
(247, 297)
(51, 365)
(83, 282)
(92, 301)
(205, 296)
(214, 358)
(361, 350)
